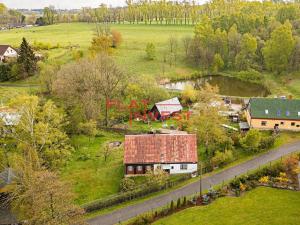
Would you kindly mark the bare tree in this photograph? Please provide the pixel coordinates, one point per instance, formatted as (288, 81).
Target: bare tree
(41, 198)
(106, 151)
(91, 84)
(173, 45)
(186, 41)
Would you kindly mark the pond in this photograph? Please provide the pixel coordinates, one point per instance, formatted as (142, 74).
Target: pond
(228, 86)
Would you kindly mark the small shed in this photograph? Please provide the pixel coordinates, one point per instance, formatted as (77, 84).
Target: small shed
(244, 126)
(166, 109)
(9, 116)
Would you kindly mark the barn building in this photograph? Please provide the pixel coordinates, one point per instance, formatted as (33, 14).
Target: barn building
(166, 109)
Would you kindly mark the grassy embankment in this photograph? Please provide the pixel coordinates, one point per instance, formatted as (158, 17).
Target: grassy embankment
(259, 206)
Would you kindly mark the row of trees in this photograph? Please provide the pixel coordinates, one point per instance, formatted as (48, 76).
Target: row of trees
(180, 12)
(10, 16)
(243, 13)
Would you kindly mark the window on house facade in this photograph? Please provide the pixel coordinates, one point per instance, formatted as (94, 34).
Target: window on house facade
(279, 113)
(148, 168)
(281, 123)
(298, 125)
(183, 166)
(293, 124)
(139, 168)
(264, 123)
(129, 168)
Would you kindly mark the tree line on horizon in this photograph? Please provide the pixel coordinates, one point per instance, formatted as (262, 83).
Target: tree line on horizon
(181, 12)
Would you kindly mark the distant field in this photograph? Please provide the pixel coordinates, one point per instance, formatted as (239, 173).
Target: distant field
(261, 206)
(131, 53)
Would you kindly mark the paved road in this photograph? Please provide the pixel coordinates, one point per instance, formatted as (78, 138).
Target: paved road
(131, 211)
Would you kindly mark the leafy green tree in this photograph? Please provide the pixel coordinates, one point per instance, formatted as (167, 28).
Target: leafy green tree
(27, 59)
(251, 141)
(189, 94)
(234, 40)
(40, 133)
(150, 51)
(245, 58)
(49, 15)
(295, 58)
(218, 63)
(278, 50)
(207, 126)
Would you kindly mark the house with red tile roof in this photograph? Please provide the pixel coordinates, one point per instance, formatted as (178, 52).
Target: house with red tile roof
(174, 153)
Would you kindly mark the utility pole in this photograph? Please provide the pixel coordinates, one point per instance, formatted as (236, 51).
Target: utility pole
(200, 179)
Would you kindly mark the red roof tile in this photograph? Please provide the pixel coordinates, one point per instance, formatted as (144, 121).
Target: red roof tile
(160, 148)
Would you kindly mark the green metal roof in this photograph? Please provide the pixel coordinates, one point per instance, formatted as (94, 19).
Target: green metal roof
(275, 108)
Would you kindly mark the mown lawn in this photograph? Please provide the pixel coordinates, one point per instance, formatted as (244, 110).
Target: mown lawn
(258, 207)
(88, 173)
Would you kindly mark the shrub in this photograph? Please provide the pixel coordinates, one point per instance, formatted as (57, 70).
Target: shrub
(250, 75)
(290, 165)
(267, 142)
(77, 54)
(184, 201)
(252, 140)
(37, 45)
(157, 178)
(5, 72)
(282, 178)
(178, 205)
(264, 180)
(127, 184)
(172, 206)
(243, 187)
(222, 158)
(116, 38)
(150, 51)
(89, 128)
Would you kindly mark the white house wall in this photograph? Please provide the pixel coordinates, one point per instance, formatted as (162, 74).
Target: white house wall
(10, 53)
(175, 168)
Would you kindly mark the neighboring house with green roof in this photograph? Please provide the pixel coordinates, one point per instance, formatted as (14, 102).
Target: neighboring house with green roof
(274, 113)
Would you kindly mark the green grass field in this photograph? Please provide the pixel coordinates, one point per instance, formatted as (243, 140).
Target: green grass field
(131, 54)
(92, 177)
(258, 207)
